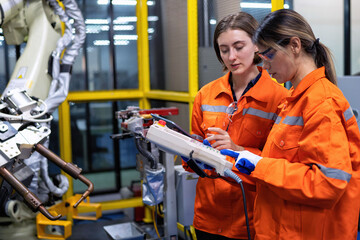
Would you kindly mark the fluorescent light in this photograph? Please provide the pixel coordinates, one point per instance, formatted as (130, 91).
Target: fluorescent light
(212, 21)
(125, 37)
(124, 20)
(101, 42)
(102, 2)
(118, 20)
(151, 30)
(104, 28)
(117, 2)
(107, 42)
(96, 21)
(258, 5)
(121, 42)
(93, 29)
(123, 27)
(123, 2)
(153, 18)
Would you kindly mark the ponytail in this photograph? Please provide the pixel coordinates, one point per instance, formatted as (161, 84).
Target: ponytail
(323, 57)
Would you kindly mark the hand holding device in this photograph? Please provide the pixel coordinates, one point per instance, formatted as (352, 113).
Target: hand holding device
(201, 165)
(245, 161)
(174, 142)
(222, 139)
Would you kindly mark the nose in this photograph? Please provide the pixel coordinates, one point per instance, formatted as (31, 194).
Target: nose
(232, 54)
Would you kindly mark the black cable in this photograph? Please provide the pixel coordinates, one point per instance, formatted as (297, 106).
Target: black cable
(231, 174)
(246, 212)
(147, 154)
(197, 169)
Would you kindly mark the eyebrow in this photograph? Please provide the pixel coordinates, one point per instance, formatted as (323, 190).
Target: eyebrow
(234, 43)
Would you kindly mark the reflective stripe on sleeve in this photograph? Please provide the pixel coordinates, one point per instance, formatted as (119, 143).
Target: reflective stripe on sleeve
(348, 113)
(259, 113)
(295, 121)
(334, 173)
(278, 120)
(210, 108)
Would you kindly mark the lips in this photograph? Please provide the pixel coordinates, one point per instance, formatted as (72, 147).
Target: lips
(235, 65)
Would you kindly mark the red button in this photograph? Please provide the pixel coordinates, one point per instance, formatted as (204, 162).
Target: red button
(162, 123)
(258, 132)
(282, 143)
(219, 230)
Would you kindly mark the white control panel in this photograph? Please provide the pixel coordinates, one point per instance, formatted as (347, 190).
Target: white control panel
(173, 142)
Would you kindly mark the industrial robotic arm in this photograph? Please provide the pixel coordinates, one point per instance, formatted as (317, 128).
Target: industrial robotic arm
(38, 85)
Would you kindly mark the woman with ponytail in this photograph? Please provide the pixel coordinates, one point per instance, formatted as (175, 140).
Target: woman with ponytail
(308, 173)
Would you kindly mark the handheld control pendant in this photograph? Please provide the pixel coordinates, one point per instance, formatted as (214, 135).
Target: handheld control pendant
(173, 142)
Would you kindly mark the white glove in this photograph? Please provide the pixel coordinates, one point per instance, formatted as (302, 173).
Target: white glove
(245, 161)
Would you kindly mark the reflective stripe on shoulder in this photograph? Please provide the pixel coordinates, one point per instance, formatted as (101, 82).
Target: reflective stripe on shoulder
(260, 113)
(334, 173)
(210, 108)
(295, 121)
(348, 113)
(197, 137)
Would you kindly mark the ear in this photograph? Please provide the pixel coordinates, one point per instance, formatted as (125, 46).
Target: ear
(295, 45)
(256, 48)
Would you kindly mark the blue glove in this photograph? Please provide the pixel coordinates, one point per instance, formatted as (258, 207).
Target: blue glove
(200, 164)
(245, 161)
(185, 159)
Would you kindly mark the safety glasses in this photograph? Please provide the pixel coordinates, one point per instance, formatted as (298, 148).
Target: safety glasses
(230, 110)
(269, 54)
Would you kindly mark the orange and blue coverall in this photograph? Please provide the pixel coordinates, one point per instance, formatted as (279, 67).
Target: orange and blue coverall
(308, 182)
(218, 204)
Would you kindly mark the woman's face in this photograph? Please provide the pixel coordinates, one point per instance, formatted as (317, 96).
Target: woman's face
(279, 63)
(236, 50)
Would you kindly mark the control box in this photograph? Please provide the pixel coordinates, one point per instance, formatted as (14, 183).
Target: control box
(174, 142)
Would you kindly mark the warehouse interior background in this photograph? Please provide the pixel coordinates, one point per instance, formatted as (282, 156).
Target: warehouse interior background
(158, 53)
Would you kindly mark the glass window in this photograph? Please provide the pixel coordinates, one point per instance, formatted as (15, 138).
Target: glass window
(93, 149)
(156, 50)
(4, 71)
(125, 43)
(91, 127)
(174, 47)
(91, 70)
(355, 38)
(54, 145)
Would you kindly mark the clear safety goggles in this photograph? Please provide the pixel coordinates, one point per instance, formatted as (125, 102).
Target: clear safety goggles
(230, 110)
(269, 54)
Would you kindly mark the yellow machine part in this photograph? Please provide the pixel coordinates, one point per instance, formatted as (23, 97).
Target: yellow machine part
(66, 209)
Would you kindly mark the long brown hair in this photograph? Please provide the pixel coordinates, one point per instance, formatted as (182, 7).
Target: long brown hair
(242, 21)
(284, 24)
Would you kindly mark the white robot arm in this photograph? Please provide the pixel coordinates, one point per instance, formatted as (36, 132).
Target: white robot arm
(38, 85)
